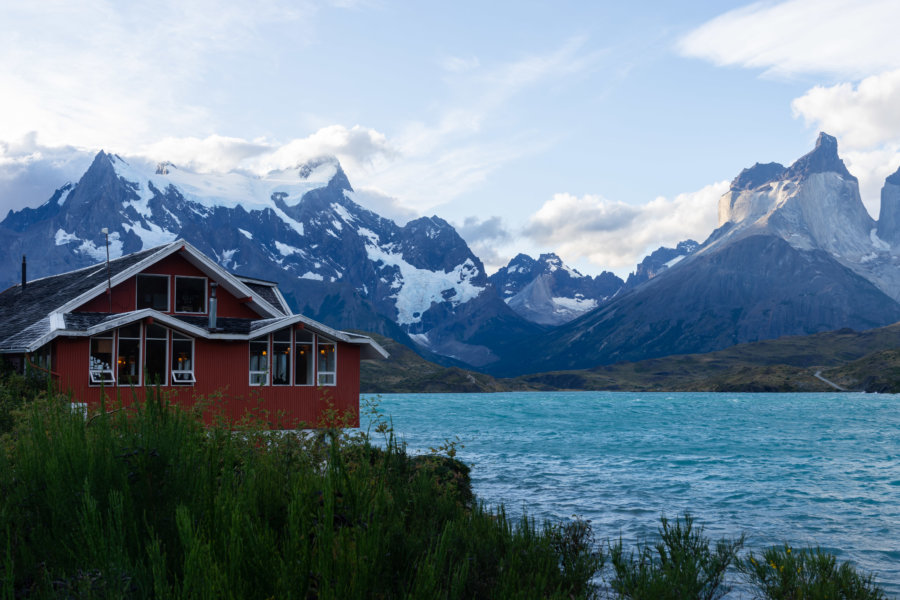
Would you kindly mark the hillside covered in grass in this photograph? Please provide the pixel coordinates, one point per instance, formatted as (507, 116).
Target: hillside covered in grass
(857, 361)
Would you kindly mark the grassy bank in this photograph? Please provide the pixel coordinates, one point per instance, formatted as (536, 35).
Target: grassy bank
(146, 502)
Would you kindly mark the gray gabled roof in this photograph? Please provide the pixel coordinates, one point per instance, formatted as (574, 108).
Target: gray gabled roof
(32, 316)
(21, 310)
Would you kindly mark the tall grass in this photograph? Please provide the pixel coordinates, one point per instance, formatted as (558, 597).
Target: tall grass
(147, 502)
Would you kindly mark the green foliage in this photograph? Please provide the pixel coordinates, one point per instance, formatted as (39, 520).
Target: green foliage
(15, 392)
(681, 565)
(781, 573)
(144, 501)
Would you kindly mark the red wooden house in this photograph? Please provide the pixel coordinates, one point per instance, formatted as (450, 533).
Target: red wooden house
(171, 317)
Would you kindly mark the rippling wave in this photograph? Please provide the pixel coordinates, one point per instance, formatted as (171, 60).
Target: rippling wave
(807, 469)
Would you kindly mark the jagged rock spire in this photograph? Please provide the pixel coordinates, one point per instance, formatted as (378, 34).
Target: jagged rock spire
(823, 159)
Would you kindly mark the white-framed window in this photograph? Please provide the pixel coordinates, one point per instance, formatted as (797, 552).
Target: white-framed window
(156, 355)
(152, 291)
(326, 353)
(304, 358)
(281, 357)
(259, 360)
(128, 357)
(100, 366)
(182, 359)
(190, 294)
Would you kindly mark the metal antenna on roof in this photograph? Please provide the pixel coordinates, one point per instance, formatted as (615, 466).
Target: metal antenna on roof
(105, 232)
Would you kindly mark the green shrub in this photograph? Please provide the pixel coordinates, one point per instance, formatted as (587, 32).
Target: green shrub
(680, 566)
(144, 501)
(782, 573)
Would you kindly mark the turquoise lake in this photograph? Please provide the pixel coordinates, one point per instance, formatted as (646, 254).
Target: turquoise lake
(806, 469)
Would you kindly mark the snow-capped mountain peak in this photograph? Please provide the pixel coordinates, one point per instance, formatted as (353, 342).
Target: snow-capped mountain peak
(550, 292)
(336, 260)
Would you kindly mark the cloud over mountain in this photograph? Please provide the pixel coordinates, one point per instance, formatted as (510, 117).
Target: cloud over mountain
(616, 235)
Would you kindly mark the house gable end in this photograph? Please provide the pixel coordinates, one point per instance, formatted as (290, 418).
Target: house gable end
(170, 267)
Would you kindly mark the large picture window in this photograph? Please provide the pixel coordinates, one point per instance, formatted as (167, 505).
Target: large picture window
(153, 292)
(182, 359)
(101, 359)
(128, 360)
(327, 362)
(157, 355)
(259, 361)
(281, 357)
(304, 357)
(190, 294)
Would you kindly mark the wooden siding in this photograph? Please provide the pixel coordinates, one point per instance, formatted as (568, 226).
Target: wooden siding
(221, 369)
(124, 294)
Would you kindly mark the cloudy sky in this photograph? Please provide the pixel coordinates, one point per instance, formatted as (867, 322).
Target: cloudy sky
(598, 130)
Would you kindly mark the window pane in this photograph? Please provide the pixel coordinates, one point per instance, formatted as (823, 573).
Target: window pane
(156, 362)
(281, 363)
(326, 363)
(153, 292)
(130, 331)
(182, 355)
(282, 335)
(156, 332)
(304, 360)
(190, 294)
(129, 361)
(259, 361)
(101, 354)
(326, 358)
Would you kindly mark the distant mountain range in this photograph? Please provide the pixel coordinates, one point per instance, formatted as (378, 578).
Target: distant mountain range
(795, 253)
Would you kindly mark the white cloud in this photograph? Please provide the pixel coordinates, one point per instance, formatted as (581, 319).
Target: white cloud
(106, 74)
(356, 148)
(383, 204)
(849, 38)
(440, 160)
(615, 236)
(484, 236)
(872, 167)
(862, 116)
(30, 172)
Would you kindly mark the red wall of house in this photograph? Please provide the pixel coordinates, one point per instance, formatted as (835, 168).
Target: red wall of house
(124, 294)
(222, 372)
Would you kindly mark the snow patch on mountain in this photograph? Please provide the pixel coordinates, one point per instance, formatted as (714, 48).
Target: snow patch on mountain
(417, 289)
(152, 235)
(287, 250)
(577, 305)
(65, 195)
(342, 213)
(674, 261)
(62, 237)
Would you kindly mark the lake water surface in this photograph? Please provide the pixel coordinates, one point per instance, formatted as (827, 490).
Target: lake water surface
(806, 469)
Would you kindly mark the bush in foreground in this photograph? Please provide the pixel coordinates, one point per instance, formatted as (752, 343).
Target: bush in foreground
(782, 573)
(146, 502)
(680, 565)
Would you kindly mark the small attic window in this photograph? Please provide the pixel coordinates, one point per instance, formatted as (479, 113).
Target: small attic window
(190, 294)
(153, 292)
